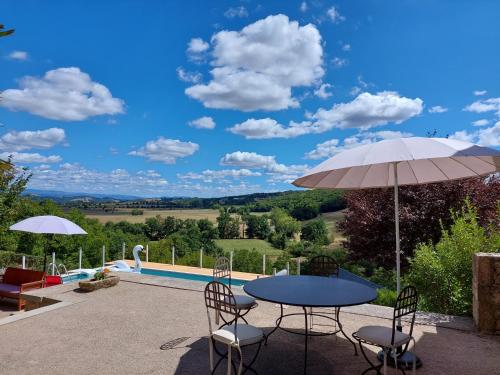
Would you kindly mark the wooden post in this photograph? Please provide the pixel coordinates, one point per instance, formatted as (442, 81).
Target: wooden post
(80, 258)
(274, 271)
(173, 255)
(263, 264)
(24, 262)
(287, 268)
(53, 263)
(231, 261)
(147, 253)
(201, 258)
(103, 255)
(123, 250)
(298, 266)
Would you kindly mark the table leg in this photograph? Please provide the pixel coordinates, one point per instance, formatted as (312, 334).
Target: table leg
(342, 330)
(307, 339)
(278, 323)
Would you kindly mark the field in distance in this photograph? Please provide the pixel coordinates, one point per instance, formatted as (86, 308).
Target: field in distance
(126, 215)
(261, 246)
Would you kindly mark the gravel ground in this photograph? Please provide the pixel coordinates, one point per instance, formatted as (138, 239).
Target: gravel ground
(121, 330)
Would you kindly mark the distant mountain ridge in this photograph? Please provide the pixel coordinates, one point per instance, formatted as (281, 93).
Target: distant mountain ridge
(68, 196)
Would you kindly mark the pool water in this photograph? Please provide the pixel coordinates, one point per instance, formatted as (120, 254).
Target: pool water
(74, 277)
(188, 276)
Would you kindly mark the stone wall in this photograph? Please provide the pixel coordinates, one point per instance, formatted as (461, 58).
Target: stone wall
(486, 292)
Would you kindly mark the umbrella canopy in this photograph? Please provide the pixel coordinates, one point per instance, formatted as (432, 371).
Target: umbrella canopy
(418, 160)
(47, 224)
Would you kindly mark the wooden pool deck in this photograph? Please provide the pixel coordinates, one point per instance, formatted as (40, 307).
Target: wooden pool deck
(194, 270)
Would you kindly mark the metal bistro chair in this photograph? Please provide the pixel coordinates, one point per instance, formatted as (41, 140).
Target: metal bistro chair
(218, 297)
(244, 303)
(326, 266)
(390, 339)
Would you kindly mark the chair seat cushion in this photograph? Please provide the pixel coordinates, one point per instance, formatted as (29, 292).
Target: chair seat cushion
(247, 335)
(9, 288)
(382, 336)
(244, 302)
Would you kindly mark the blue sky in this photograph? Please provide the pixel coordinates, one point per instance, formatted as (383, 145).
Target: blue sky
(219, 98)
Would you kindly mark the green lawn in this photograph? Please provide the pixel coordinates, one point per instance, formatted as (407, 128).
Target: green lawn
(248, 244)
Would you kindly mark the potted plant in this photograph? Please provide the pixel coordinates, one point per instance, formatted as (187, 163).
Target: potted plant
(101, 279)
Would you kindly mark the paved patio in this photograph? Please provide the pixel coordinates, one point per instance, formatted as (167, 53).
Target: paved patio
(121, 330)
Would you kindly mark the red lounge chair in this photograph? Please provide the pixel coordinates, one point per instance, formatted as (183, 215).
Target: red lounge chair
(16, 281)
(53, 280)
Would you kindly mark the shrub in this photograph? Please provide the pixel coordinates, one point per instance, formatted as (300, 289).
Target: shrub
(136, 212)
(442, 272)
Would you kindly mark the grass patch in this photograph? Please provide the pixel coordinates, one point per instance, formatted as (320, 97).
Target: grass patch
(126, 215)
(261, 246)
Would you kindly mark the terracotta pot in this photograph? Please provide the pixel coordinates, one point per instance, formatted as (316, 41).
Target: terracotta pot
(91, 285)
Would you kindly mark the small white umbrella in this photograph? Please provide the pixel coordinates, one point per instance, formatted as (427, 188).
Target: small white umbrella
(47, 225)
(418, 160)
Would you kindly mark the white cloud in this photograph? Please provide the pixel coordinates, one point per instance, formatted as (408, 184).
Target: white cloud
(76, 178)
(267, 128)
(204, 122)
(334, 146)
(339, 62)
(18, 55)
(247, 160)
(25, 140)
(346, 47)
(197, 49)
(485, 105)
(240, 12)
(27, 157)
(166, 150)
(322, 92)
(480, 92)
(66, 94)
(438, 109)
(191, 77)
(360, 87)
(363, 112)
(256, 68)
(481, 122)
(334, 15)
(368, 110)
(489, 137)
(197, 45)
(277, 172)
(303, 7)
(210, 175)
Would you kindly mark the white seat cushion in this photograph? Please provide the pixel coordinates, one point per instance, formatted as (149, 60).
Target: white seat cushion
(244, 302)
(382, 336)
(247, 335)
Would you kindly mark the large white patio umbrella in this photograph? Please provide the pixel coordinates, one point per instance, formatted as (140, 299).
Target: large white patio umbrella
(47, 225)
(402, 161)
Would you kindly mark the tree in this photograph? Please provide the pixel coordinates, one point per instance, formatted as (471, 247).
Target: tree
(257, 226)
(315, 231)
(6, 32)
(227, 226)
(284, 223)
(424, 210)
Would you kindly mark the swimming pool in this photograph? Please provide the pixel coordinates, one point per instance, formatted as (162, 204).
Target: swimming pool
(74, 277)
(188, 276)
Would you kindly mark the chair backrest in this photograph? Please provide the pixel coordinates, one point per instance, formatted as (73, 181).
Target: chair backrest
(406, 304)
(18, 276)
(222, 270)
(220, 299)
(323, 265)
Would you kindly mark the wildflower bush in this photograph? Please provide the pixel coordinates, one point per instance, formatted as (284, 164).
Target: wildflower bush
(442, 272)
